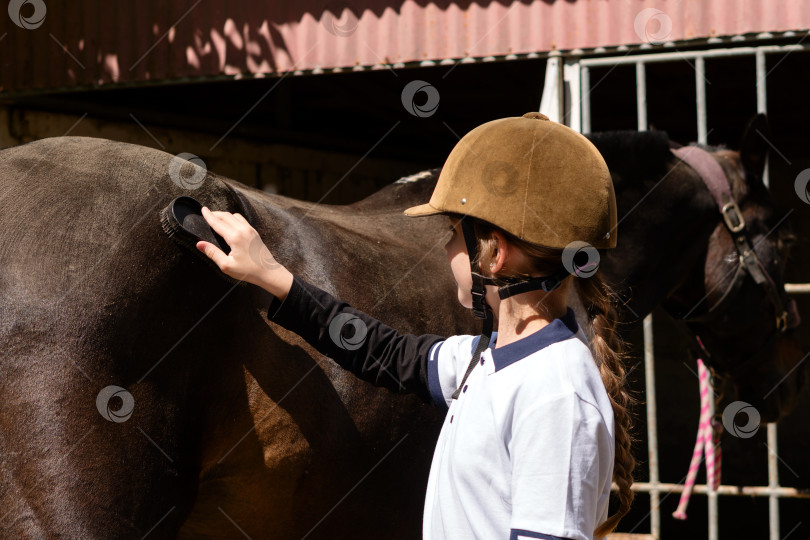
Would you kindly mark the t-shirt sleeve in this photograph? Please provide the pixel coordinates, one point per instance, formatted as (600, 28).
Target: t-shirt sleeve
(562, 455)
(358, 342)
(447, 363)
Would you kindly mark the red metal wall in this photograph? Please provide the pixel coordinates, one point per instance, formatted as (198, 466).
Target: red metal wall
(95, 42)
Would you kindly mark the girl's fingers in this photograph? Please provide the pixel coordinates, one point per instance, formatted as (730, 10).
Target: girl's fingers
(219, 221)
(212, 252)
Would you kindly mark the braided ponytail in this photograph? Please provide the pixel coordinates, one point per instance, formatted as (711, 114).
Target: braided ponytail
(606, 345)
(608, 349)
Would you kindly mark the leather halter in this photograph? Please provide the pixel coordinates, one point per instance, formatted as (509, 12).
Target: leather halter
(748, 262)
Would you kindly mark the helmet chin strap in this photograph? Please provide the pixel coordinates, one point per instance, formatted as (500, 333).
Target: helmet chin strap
(479, 302)
(519, 286)
(480, 308)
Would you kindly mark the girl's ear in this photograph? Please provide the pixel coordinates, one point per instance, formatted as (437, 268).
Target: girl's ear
(499, 255)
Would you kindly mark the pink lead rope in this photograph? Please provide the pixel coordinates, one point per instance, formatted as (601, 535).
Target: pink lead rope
(708, 443)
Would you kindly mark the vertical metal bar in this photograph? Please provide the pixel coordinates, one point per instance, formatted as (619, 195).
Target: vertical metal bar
(551, 99)
(572, 109)
(700, 94)
(762, 98)
(652, 427)
(773, 482)
(711, 493)
(649, 349)
(560, 91)
(641, 96)
(585, 100)
(762, 89)
(773, 468)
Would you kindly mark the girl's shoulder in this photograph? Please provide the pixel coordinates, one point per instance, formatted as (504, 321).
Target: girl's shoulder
(458, 347)
(566, 367)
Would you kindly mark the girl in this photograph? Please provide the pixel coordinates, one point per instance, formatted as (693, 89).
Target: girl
(537, 422)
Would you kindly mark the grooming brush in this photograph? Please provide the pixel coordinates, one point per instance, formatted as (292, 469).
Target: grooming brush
(183, 221)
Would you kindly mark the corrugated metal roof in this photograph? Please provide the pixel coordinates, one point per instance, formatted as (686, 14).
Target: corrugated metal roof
(88, 43)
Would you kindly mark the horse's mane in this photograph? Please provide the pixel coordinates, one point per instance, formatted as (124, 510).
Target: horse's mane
(634, 155)
(648, 150)
(408, 190)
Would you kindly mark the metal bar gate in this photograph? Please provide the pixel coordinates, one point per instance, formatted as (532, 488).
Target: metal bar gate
(575, 72)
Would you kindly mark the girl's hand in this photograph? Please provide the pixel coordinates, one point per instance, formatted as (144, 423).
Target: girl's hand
(249, 259)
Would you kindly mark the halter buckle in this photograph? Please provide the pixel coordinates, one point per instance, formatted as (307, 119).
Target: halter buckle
(729, 210)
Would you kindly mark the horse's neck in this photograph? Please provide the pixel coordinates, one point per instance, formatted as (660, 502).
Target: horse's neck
(665, 226)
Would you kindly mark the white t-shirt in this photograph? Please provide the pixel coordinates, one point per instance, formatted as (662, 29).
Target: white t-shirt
(527, 449)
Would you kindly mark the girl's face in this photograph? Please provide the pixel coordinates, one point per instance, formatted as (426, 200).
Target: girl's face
(459, 260)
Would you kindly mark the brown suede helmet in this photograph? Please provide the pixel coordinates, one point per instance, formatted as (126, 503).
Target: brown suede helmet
(537, 179)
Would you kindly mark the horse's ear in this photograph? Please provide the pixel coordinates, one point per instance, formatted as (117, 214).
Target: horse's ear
(754, 147)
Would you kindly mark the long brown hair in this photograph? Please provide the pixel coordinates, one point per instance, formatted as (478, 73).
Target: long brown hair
(607, 347)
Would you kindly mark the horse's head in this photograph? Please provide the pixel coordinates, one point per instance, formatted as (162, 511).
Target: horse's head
(746, 323)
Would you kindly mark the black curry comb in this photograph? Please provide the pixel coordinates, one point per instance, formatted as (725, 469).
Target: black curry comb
(183, 221)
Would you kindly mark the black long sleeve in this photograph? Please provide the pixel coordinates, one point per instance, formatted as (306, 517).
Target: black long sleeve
(357, 342)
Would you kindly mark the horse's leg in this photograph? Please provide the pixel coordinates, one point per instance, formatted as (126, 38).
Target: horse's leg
(282, 449)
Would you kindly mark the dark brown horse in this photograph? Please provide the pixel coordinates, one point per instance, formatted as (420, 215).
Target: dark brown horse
(142, 395)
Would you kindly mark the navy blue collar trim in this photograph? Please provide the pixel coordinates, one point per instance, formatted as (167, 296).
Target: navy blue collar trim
(557, 330)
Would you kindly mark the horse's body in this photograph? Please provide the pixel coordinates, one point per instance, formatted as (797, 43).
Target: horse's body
(238, 428)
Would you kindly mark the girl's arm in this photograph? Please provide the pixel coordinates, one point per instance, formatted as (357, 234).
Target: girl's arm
(365, 346)
(371, 350)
